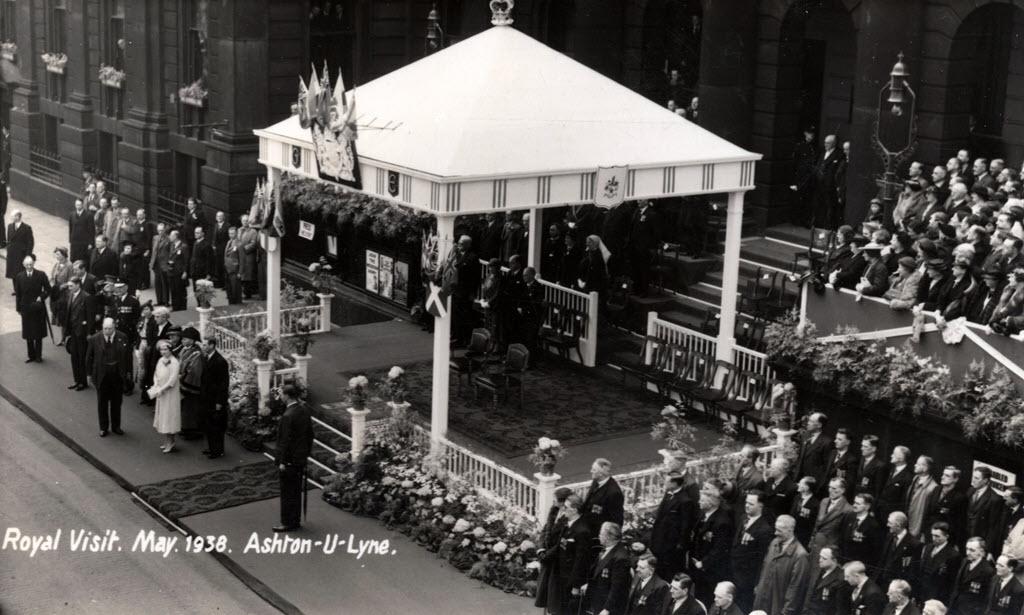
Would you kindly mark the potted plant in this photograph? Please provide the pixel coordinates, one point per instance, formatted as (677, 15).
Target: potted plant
(55, 62)
(302, 338)
(110, 76)
(321, 271)
(677, 433)
(394, 385)
(783, 403)
(357, 391)
(264, 344)
(193, 94)
(546, 455)
(204, 292)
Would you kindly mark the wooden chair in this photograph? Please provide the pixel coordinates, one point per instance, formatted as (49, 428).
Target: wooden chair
(650, 371)
(475, 355)
(819, 248)
(779, 301)
(699, 374)
(745, 397)
(759, 414)
(501, 379)
(712, 320)
(715, 387)
(750, 333)
(567, 327)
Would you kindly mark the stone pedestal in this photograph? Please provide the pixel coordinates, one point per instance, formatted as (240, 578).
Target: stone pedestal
(358, 431)
(205, 314)
(546, 484)
(264, 372)
(302, 362)
(325, 312)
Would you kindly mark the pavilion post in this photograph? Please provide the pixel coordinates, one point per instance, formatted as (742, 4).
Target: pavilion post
(536, 243)
(442, 348)
(730, 277)
(273, 248)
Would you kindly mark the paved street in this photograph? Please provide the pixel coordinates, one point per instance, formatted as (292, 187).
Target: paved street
(48, 487)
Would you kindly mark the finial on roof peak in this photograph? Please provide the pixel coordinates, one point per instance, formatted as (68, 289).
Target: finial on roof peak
(501, 12)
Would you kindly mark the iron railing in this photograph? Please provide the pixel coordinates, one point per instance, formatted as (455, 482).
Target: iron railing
(45, 165)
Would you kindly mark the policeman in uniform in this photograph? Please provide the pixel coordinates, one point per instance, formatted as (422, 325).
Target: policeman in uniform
(125, 311)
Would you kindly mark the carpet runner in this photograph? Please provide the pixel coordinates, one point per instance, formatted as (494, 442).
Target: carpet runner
(200, 493)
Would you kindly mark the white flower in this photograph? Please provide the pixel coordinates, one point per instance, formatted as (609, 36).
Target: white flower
(500, 547)
(464, 543)
(314, 267)
(461, 526)
(395, 372)
(788, 387)
(534, 565)
(479, 532)
(408, 484)
(423, 491)
(357, 381)
(387, 481)
(555, 444)
(448, 520)
(437, 502)
(544, 443)
(669, 411)
(526, 545)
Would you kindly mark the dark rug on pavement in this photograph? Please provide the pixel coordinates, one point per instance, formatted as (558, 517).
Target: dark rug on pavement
(562, 400)
(200, 493)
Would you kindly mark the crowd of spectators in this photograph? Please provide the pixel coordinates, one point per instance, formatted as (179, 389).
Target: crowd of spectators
(833, 531)
(951, 245)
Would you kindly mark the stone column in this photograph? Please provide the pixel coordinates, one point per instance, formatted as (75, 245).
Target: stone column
(302, 362)
(264, 371)
(442, 349)
(728, 51)
(545, 493)
(358, 431)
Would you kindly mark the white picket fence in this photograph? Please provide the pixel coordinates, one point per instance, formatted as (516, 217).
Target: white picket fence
(567, 298)
(249, 324)
(744, 359)
(227, 340)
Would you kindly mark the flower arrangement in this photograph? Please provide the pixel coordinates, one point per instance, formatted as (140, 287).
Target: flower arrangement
(783, 405)
(9, 50)
(321, 271)
(546, 454)
(55, 62)
(204, 292)
(393, 385)
(264, 344)
(357, 391)
(302, 337)
(110, 76)
(193, 94)
(251, 427)
(676, 431)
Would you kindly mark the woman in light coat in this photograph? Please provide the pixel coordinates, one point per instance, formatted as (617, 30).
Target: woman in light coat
(167, 419)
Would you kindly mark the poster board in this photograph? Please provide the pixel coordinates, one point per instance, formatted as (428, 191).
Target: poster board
(385, 285)
(400, 282)
(372, 270)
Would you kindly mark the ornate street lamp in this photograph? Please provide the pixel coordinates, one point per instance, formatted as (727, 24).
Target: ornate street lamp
(435, 35)
(894, 137)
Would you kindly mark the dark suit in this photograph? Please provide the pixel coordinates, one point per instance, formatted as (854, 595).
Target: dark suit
(644, 234)
(78, 326)
(193, 219)
(813, 459)
(671, 532)
(827, 208)
(231, 262)
(608, 587)
(746, 479)
(806, 514)
(650, 599)
(692, 606)
(984, 516)
(909, 609)
(872, 476)
(294, 442)
(110, 366)
(842, 465)
(490, 241)
(950, 507)
(870, 601)
(712, 538)
(899, 560)
(81, 234)
(214, 400)
(826, 592)
(574, 557)
(20, 243)
(893, 495)
(1008, 599)
(200, 264)
(31, 292)
(861, 540)
(749, 546)
(160, 253)
(937, 572)
(141, 234)
(220, 242)
(828, 526)
(971, 588)
(177, 266)
(102, 264)
(779, 497)
(604, 503)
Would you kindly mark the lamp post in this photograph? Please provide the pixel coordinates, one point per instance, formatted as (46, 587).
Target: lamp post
(435, 35)
(895, 134)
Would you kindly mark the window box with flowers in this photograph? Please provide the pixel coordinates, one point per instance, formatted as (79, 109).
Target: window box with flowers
(111, 77)
(193, 94)
(9, 51)
(55, 62)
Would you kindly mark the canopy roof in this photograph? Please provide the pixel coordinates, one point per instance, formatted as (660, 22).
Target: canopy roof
(502, 106)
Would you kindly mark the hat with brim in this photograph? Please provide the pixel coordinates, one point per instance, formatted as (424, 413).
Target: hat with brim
(907, 262)
(872, 247)
(190, 333)
(937, 263)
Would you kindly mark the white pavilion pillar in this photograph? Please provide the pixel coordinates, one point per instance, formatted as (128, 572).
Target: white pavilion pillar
(730, 277)
(536, 242)
(273, 247)
(442, 348)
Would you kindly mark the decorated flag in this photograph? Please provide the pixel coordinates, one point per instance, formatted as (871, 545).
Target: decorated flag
(256, 209)
(437, 300)
(611, 186)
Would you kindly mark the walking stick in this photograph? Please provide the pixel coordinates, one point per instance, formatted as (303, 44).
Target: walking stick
(305, 493)
(49, 327)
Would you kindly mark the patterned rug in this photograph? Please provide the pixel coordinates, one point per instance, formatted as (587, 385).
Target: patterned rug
(200, 493)
(561, 400)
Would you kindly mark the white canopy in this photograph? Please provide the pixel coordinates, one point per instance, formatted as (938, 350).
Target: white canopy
(501, 121)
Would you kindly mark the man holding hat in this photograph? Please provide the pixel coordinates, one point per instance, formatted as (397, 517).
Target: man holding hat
(875, 279)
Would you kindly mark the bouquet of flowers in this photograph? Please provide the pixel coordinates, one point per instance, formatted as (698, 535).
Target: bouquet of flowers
(394, 384)
(302, 339)
(264, 344)
(357, 391)
(321, 271)
(546, 454)
(204, 293)
(675, 430)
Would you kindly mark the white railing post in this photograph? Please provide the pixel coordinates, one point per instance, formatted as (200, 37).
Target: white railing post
(264, 372)
(652, 329)
(545, 493)
(590, 348)
(204, 320)
(358, 431)
(325, 312)
(302, 364)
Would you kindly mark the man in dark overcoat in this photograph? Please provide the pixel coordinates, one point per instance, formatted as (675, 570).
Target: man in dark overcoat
(31, 288)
